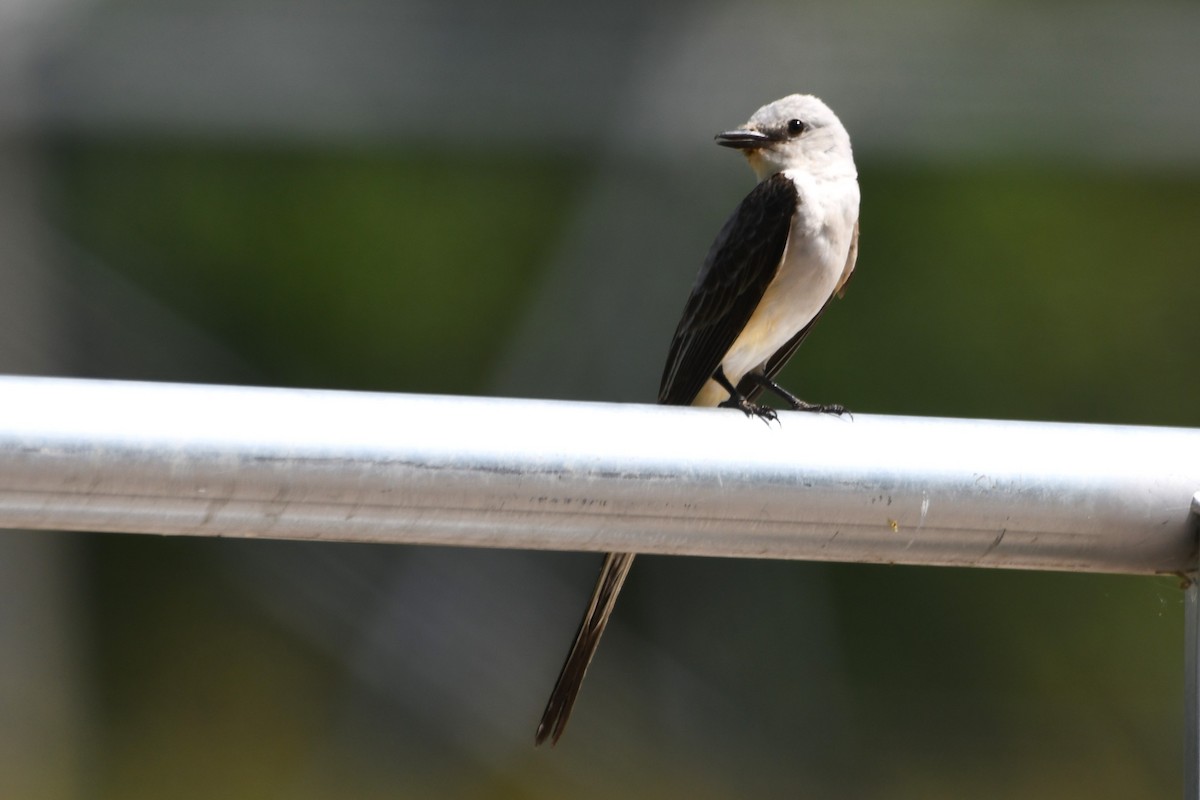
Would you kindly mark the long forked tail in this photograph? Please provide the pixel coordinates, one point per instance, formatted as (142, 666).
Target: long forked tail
(604, 596)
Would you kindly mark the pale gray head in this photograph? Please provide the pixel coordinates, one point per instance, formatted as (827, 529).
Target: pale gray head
(796, 132)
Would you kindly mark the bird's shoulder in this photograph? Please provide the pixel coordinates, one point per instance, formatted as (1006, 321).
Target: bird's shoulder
(757, 227)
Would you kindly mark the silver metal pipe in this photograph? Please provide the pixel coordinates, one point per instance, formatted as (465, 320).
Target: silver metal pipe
(1191, 682)
(1191, 692)
(348, 466)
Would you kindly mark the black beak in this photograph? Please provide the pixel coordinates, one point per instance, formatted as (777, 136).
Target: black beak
(743, 140)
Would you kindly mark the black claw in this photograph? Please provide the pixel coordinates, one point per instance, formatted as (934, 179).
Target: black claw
(822, 408)
(835, 409)
(765, 413)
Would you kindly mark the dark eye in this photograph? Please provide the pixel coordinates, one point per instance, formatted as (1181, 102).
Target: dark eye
(795, 127)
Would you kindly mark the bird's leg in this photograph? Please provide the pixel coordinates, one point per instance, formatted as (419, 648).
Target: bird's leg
(738, 400)
(792, 400)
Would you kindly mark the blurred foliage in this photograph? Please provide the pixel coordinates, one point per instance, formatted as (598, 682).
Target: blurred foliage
(1031, 684)
(1001, 290)
(360, 269)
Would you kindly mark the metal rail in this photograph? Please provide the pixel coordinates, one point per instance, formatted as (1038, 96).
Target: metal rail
(1191, 691)
(345, 466)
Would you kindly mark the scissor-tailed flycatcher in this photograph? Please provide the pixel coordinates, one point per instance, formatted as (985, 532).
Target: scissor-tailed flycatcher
(779, 259)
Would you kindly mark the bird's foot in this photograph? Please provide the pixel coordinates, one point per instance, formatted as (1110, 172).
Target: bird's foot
(837, 409)
(796, 403)
(765, 413)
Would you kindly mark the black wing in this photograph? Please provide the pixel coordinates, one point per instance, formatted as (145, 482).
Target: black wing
(750, 388)
(740, 264)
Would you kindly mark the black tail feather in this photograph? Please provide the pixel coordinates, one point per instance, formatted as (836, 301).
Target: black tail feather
(604, 596)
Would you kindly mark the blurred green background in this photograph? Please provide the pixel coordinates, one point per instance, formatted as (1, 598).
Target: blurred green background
(464, 199)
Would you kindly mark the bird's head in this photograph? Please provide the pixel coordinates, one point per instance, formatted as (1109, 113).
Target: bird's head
(796, 132)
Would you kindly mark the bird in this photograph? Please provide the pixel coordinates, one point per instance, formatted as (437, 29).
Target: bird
(785, 252)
